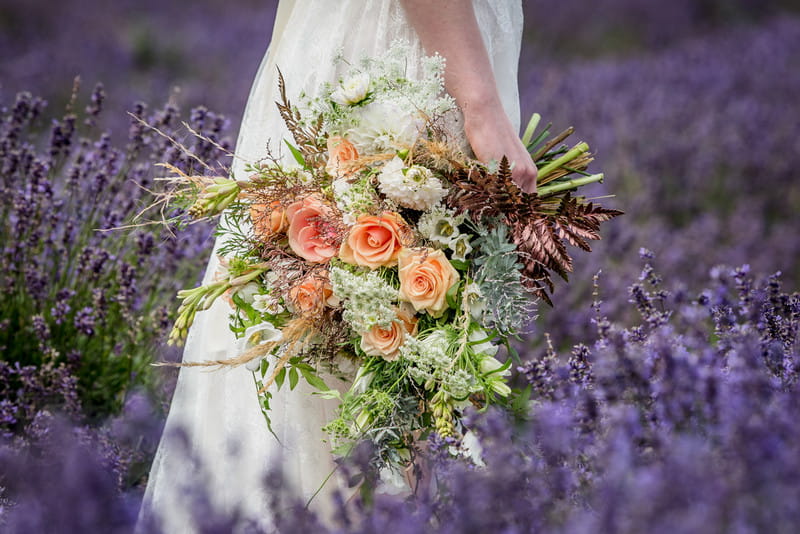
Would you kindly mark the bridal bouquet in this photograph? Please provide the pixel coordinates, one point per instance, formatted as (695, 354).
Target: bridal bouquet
(384, 248)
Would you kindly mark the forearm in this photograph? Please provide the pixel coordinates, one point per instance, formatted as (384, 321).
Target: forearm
(449, 28)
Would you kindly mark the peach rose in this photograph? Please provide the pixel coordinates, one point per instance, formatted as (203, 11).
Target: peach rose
(386, 342)
(374, 241)
(311, 295)
(268, 220)
(341, 154)
(305, 236)
(425, 276)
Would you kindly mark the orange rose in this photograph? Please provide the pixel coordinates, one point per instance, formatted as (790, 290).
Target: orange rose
(311, 295)
(386, 342)
(305, 237)
(268, 220)
(425, 278)
(341, 154)
(374, 241)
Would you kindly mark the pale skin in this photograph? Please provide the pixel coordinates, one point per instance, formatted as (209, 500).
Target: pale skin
(449, 28)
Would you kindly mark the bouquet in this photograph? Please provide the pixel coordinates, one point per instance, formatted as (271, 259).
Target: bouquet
(382, 246)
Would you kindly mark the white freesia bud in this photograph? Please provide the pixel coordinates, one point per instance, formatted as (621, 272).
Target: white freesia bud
(500, 388)
(352, 90)
(362, 381)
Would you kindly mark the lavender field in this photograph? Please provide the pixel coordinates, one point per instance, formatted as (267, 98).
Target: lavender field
(663, 383)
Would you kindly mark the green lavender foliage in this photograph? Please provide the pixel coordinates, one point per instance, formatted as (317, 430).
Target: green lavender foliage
(84, 305)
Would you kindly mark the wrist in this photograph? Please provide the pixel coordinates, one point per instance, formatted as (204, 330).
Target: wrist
(478, 98)
(481, 113)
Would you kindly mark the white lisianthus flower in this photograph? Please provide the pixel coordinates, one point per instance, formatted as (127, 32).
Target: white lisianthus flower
(258, 335)
(248, 292)
(488, 364)
(461, 247)
(383, 126)
(440, 225)
(486, 347)
(352, 90)
(392, 482)
(415, 187)
(472, 294)
(267, 304)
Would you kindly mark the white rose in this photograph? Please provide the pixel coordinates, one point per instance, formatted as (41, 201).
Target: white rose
(352, 90)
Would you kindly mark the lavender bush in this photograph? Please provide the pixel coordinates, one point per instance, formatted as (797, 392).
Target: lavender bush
(694, 143)
(83, 309)
(683, 422)
(575, 29)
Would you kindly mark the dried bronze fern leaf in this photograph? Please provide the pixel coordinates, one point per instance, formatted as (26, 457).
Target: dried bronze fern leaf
(306, 139)
(538, 227)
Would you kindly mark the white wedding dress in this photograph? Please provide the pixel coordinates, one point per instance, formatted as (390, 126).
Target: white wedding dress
(218, 410)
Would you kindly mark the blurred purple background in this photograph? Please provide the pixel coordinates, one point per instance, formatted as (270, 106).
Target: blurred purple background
(692, 108)
(690, 105)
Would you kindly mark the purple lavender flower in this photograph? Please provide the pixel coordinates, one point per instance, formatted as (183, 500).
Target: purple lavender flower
(85, 321)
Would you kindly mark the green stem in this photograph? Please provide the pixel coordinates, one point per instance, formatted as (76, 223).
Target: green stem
(551, 167)
(532, 124)
(569, 184)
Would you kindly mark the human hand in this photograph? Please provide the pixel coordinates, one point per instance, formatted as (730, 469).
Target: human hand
(492, 136)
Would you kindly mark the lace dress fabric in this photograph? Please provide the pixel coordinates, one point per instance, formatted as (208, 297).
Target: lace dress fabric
(226, 446)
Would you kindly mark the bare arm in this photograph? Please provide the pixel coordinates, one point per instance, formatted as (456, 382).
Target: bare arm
(449, 28)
